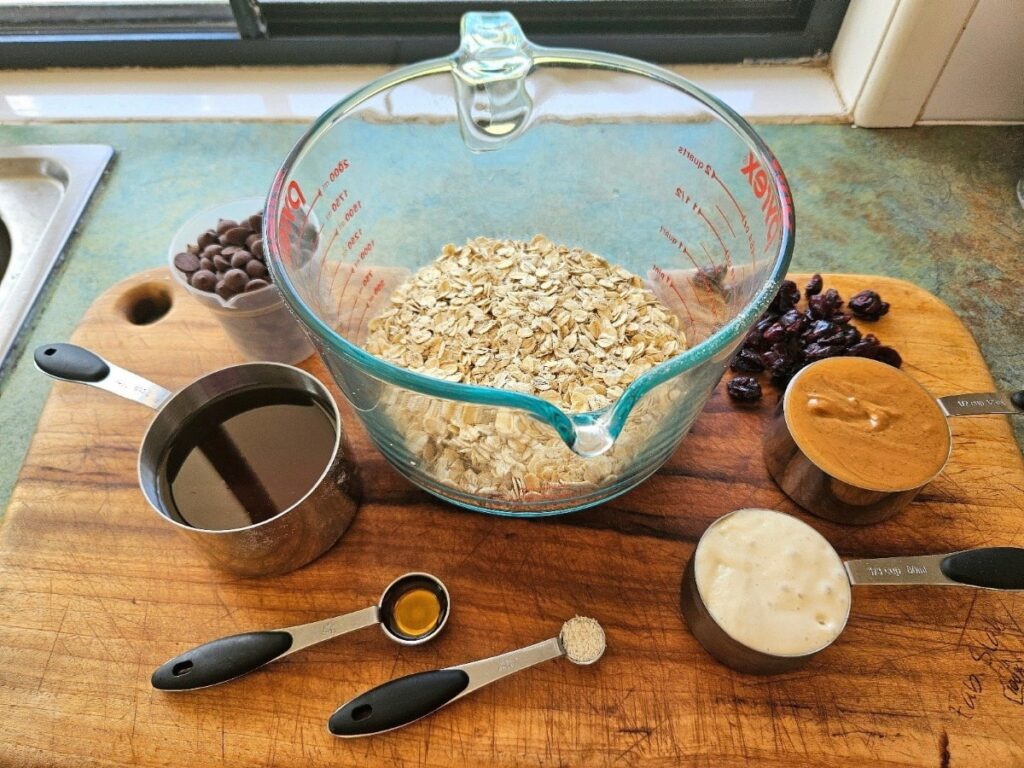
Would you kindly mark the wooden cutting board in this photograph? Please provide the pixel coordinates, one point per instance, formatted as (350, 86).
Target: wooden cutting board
(96, 591)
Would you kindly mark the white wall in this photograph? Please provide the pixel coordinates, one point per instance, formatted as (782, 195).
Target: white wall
(984, 76)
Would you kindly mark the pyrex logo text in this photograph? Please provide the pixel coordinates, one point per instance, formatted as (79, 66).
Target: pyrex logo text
(758, 180)
(286, 226)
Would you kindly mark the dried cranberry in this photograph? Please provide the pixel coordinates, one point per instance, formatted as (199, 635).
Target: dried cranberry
(850, 335)
(819, 329)
(814, 285)
(825, 305)
(794, 321)
(876, 351)
(787, 297)
(754, 340)
(784, 358)
(868, 305)
(745, 389)
(819, 351)
(774, 333)
(747, 361)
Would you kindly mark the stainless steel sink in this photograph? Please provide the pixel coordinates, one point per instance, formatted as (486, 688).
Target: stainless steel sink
(43, 191)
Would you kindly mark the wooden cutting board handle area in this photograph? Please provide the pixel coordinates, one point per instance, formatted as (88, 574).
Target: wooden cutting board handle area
(96, 591)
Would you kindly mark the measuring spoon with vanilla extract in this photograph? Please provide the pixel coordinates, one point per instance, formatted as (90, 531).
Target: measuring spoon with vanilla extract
(412, 610)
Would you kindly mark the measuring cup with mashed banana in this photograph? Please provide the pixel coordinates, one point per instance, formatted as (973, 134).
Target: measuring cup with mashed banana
(854, 440)
(764, 592)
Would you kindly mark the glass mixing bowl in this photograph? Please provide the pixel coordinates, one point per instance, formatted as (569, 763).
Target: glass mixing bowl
(508, 139)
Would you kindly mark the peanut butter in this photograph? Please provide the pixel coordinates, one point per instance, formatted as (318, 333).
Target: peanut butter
(867, 424)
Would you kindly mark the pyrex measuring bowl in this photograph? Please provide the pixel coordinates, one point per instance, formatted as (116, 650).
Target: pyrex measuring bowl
(507, 139)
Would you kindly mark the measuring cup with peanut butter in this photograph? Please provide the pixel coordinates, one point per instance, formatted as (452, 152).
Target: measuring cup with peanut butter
(854, 440)
(412, 610)
(764, 592)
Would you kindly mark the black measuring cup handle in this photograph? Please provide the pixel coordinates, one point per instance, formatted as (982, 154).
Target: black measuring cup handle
(71, 362)
(398, 702)
(221, 660)
(988, 567)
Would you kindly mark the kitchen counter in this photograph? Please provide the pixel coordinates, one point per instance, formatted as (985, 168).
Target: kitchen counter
(933, 205)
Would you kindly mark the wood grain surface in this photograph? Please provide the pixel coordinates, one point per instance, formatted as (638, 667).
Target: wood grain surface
(96, 591)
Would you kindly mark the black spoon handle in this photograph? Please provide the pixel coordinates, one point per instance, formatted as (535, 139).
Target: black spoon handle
(221, 660)
(989, 567)
(71, 362)
(398, 702)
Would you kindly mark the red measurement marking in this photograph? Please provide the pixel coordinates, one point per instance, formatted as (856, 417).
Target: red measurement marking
(726, 220)
(725, 250)
(354, 239)
(326, 251)
(376, 292)
(667, 279)
(340, 168)
(355, 264)
(355, 302)
(309, 210)
(337, 202)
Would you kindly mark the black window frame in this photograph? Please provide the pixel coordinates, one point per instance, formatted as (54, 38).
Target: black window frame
(293, 32)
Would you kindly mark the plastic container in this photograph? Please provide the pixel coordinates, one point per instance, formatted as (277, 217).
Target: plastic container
(508, 139)
(258, 323)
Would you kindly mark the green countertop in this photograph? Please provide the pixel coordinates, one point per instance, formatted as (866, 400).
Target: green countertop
(933, 205)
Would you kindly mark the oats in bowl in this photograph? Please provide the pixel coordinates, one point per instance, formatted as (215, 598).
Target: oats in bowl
(534, 317)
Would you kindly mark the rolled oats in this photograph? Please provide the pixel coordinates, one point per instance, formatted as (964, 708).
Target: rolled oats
(534, 317)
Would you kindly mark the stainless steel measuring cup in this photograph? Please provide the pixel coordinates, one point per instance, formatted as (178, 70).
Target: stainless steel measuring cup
(831, 498)
(280, 543)
(227, 658)
(999, 568)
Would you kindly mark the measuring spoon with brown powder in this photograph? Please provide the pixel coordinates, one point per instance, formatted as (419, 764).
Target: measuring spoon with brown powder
(412, 610)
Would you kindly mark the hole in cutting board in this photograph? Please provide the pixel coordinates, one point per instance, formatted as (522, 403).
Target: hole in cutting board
(145, 304)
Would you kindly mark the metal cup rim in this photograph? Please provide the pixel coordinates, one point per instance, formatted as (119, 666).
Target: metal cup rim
(157, 504)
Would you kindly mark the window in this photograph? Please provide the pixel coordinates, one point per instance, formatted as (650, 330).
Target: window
(46, 33)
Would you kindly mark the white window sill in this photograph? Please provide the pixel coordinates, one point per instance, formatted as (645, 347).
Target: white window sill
(780, 93)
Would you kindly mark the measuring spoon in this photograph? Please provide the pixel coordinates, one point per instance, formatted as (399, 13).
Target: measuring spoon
(219, 661)
(998, 568)
(407, 699)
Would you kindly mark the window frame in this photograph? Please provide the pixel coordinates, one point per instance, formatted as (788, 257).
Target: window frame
(295, 32)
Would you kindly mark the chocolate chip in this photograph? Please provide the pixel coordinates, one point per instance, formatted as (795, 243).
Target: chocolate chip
(236, 279)
(224, 291)
(186, 262)
(204, 280)
(255, 269)
(237, 235)
(226, 260)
